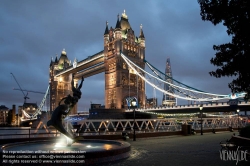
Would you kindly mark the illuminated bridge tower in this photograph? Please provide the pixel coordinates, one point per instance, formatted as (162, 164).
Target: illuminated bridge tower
(168, 100)
(60, 86)
(121, 83)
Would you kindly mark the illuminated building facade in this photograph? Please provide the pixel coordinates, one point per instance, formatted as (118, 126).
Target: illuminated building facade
(60, 87)
(3, 114)
(121, 83)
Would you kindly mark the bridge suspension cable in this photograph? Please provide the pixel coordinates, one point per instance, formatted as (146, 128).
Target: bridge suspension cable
(182, 91)
(186, 90)
(38, 110)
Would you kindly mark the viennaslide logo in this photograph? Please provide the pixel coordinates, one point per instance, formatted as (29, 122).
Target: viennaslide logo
(234, 155)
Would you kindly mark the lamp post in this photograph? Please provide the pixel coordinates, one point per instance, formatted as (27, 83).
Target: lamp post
(238, 111)
(133, 103)
(201, 107)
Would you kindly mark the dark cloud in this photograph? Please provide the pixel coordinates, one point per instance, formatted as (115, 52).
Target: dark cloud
(34, 31)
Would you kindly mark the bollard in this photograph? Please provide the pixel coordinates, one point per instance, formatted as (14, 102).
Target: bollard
(231, 129)
(193, 131)
(125, 135)
(213, 131)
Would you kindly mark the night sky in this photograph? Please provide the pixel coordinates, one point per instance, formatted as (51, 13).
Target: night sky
(31, 32)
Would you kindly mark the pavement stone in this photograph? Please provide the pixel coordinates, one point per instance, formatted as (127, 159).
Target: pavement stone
(178, 150)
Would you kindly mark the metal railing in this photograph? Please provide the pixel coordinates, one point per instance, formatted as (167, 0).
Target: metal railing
(117, 126)
(12, 133)
(112, 126)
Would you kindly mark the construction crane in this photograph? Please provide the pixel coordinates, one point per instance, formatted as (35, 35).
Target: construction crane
(25, 96)
(29, 91)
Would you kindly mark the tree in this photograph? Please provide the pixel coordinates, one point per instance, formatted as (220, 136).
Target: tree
(231, 58)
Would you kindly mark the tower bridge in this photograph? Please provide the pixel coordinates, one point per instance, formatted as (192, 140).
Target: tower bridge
(123, 62)
(121, 83)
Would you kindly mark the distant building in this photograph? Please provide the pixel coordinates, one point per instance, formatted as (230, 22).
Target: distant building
(8, 116)
(12, 115)
(20, 108)
(3, 114)
(167, 99)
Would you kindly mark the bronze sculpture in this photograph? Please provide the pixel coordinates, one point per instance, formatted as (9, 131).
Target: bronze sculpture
(64, 109)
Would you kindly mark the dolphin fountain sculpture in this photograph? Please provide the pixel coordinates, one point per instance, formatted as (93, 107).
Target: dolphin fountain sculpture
(62, 110)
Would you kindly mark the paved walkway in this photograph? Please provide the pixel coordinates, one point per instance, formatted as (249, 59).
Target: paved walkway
(178, 150)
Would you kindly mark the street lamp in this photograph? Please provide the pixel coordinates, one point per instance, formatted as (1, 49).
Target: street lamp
(133, 103)
(238, 111)
(201, 107)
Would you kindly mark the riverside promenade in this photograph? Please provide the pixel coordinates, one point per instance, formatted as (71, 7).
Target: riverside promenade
(200, 150)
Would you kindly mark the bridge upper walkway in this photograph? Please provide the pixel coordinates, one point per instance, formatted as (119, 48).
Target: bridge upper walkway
(87, 67)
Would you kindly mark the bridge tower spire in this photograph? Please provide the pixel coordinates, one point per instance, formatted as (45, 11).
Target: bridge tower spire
(60, 86)
(168, 100)
(118, 77)
(106, 34)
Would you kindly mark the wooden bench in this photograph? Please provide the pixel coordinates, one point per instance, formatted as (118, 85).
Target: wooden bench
(235, 142)
(228, 145)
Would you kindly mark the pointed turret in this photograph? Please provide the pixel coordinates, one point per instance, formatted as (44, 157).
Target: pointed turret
(118, 23)
(107, 29)
(141, 33)
(141, 37)
(118, 32)
(106, 34)
(56, 60)
(51, 62)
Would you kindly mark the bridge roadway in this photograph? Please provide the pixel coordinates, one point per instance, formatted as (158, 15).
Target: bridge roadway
(213, 107)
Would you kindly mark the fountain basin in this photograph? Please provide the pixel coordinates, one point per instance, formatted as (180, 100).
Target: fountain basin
(89, 151)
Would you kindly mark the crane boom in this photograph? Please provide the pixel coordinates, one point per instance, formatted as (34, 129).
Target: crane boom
(29, 91)
(25, 96)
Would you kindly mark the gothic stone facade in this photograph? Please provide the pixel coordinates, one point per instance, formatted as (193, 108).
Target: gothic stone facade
(120, 81)
(60, 87)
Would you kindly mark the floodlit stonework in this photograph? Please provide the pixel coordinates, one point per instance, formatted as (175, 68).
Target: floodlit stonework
(121, 83)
